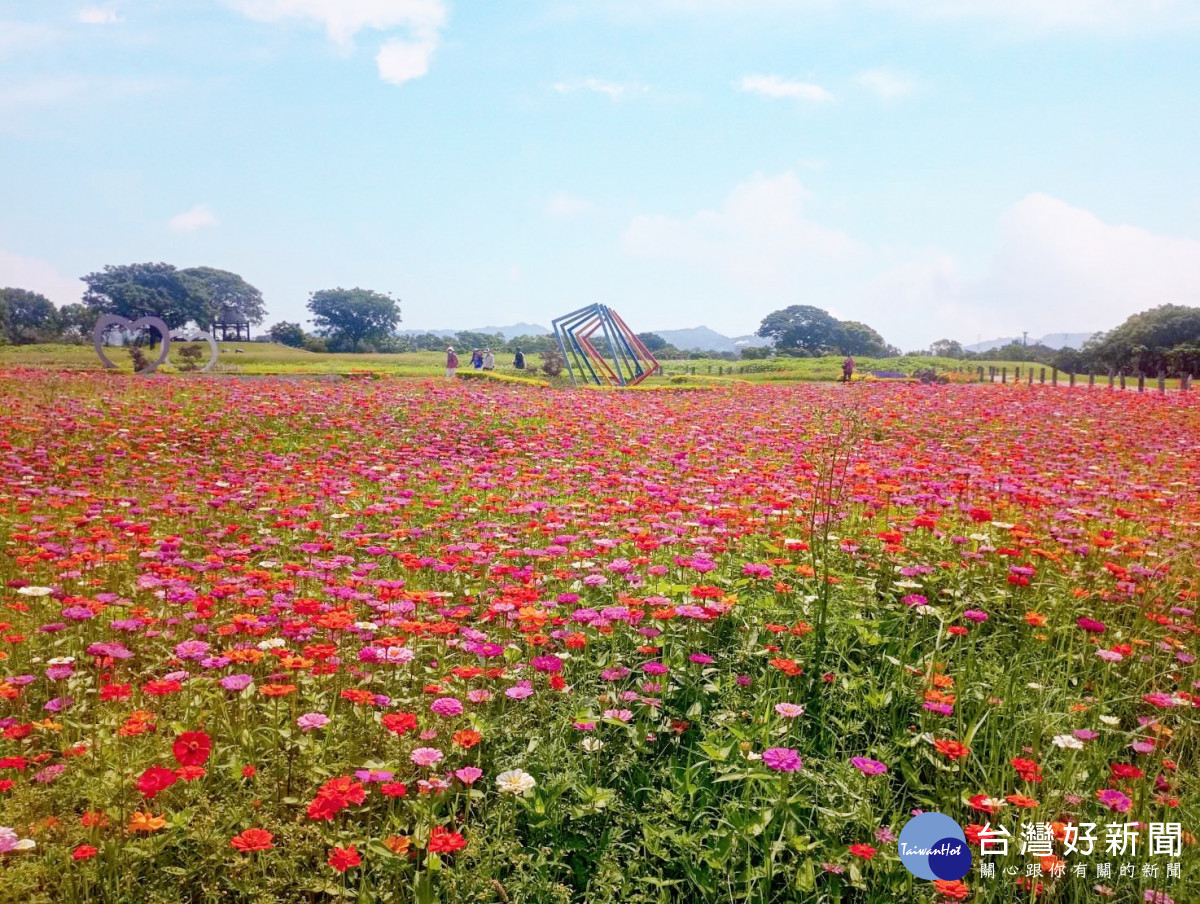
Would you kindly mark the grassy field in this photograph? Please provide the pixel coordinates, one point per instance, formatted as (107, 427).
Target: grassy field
(257, 358)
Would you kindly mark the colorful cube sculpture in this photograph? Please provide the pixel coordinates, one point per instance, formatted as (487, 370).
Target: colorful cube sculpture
(625, 362)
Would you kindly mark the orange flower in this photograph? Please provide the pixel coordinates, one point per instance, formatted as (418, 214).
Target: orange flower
(1036, 619)
(145, 822)
(277, 690)
(466, 738)
(1020, 800)
(951, 889)
(397, 844)
(952, 750)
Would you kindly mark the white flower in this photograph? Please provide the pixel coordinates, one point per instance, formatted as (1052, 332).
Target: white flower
(366, 626)
(268, 563)
(25, 844)
(273, 644)
(1067, 741)
(1110, 721)
(35, 591)
(592, 744)
(514, 781)
(61, 660)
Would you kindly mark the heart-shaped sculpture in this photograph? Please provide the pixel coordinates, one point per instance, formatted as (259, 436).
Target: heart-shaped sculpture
(110, 320)
(213, 351)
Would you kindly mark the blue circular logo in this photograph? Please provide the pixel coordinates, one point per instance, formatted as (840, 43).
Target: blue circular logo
(933, 846)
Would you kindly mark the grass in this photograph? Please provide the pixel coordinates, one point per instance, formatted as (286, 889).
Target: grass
(259, 358)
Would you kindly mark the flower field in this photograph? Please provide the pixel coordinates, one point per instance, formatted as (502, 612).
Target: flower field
(400, 640)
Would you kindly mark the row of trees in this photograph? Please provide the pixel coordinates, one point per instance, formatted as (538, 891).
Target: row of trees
(199, 295)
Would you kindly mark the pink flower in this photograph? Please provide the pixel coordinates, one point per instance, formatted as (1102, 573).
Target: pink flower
(468, 774)
(309, 721)
(426, 756)
(446, 706)
(782, 759)
(789, 710)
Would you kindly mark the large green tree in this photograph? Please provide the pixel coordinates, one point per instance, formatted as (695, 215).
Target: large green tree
(801, 327)
(222, 290)
(1148, 341)
(27, 316)
(349, 316)
(859, 339)
(147, 290)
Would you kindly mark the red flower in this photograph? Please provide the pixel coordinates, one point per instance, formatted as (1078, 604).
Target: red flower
(84, 852)
(192, 748)
(399, 723)
(249, 771)
(342, 858)
(154, 780)
(443, 841)
(393, 789)
(863, 850)
(253, 840)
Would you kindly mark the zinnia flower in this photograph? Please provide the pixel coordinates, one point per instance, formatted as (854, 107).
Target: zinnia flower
(782, 759)
(253, 840)
(514, 781)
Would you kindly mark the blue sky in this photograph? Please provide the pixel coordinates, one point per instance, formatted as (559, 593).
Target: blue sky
(935, 168)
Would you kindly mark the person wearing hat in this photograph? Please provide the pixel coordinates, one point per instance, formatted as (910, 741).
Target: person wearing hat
(451, 362)
(489, 360)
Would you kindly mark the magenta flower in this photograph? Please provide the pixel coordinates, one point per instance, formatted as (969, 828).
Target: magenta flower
(867, 766)
(1114, 800)
(782, 759)
(310, 721)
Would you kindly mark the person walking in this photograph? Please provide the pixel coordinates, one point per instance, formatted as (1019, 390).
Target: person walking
(451, 363)
(847, 369)
(489, 360)
(476, 358)
(518, 360)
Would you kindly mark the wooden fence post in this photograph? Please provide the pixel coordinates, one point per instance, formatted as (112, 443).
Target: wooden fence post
(1072, 379)
(1053, 376)
(1042, 375)
(1029, 379)
(1091, 378)
(1004, 375)
(1141, 382)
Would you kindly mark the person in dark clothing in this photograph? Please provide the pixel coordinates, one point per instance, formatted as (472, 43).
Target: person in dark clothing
(518, 360)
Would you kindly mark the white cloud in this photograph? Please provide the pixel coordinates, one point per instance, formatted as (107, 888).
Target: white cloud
(774, 86)
(39, 93)
(887, 83)
(1057, 268)
(563, 206)
(760, 236)
(400, 59)
(199, 217)
(96, 15)
(615, 90)
(38, 276)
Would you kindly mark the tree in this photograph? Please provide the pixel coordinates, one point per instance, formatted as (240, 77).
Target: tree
(946, 348)
(348, 316)
(224, 291)
(859, 339)
(290, 334)
(652, 341)
(1145, 341)
(147, 290)
(74, 322)
(28, 316)
(801, 327)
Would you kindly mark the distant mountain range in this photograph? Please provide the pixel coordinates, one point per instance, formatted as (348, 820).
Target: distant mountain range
(1050, 340)
(699, 338)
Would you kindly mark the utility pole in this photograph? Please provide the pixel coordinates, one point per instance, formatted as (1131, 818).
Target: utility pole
(1025, 338)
